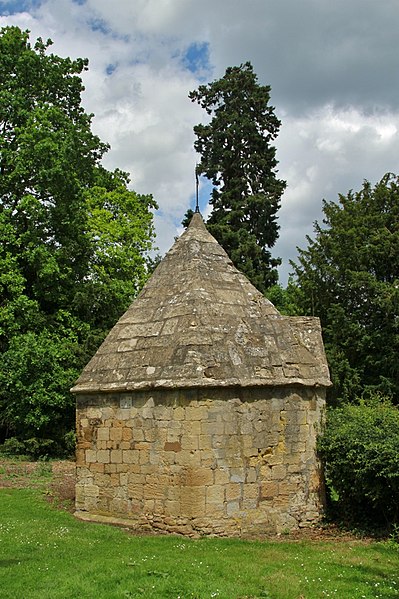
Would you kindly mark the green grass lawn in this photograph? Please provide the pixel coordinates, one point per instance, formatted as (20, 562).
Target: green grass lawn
(47, 553)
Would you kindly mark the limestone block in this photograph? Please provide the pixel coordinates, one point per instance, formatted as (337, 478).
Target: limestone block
(174, 445)
(115, 434)
(103, 434)
(246, 427)
(91, 490)
(179, 413)
(127, 433)
(279, 472)
(79, 494)
(233, 508)
(121, 468)
(144, 456)
(150, 435)
(189, 442)
(91, 455)
(249, 452)
(116, 456)
(80, 457)
(192, 501)
(155, 487)
(298, 447)
(163, 412)
(214, 510)
(90, 503)
(168, 458)
(233, 491)
(191, 459)
(251, 491)
(237, 475)
(251, 475)
(204, 441)
(114, 479)
(138, 434)
(119, 505)
(282, 502)
(109, 468)
(195, 413)
(215, 494)
(231, 428)
(191, 428)
(221, 457)
(268, 490)
(276, 459)
(101, 480)
(103, 456)
(212, 428)
(136, 478)
(135, 491)
(197, 477)
(288, 487)
(93, 412)
(218, 441)
(172, 508)
(221, 477)
(130, 456)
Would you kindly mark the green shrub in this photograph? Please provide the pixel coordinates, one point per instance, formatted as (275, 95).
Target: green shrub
(360, 451)
(70, 444)
(13, 447)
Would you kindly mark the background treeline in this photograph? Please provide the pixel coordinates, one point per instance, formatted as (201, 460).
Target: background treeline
(73, 243)
(348, 276)
(74, 253)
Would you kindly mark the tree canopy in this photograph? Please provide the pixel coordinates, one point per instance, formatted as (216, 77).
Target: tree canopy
(237, 155)
(74, 238)
(349, 277)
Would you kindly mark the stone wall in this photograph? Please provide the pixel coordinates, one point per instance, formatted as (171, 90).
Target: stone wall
(231, 461)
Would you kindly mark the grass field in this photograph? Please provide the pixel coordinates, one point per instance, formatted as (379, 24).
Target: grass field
(46, 553)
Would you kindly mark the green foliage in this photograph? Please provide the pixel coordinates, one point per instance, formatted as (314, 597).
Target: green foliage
(287, 301)
(187, 218)
(237, 156)
(74, 240)
(349, 277)
(359, 448)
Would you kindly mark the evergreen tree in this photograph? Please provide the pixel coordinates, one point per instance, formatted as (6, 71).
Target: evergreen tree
(237, 156)
(349, 277)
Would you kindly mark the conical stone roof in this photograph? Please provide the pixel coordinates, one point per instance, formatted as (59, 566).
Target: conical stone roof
(199, 322)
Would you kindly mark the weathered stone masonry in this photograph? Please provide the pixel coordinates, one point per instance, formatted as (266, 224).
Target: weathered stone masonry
(199, 413)
(205, 462)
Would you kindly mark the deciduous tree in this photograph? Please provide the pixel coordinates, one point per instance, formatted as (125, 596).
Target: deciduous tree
(74, 238)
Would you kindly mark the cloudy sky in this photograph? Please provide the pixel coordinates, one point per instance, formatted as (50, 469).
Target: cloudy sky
(333, 66)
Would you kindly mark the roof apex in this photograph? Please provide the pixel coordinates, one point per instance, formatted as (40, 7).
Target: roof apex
(199, 322)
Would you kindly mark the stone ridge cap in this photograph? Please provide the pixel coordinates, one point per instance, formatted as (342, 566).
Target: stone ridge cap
(197, 229)
(90, 389)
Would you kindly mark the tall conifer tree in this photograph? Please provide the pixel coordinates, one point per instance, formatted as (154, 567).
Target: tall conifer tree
(237, 156)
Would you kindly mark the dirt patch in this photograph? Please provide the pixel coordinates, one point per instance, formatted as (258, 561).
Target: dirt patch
(56, 479)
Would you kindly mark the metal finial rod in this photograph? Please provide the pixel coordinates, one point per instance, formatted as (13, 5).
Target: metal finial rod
(196, 189)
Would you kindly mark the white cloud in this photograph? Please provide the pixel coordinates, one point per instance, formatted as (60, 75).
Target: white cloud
(331, 65)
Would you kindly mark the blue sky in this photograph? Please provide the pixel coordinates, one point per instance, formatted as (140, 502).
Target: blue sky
(333, 68)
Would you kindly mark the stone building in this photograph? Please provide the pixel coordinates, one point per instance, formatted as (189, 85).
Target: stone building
(199, 412)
